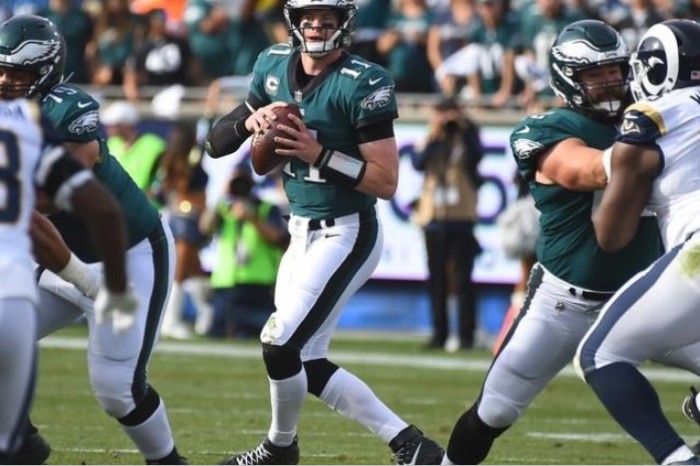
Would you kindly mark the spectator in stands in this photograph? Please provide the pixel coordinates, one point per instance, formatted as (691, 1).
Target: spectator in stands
(689, 9)
(632, 19)
(162, 59)
(487, 62)
(540, 24)
(447, 213)
(372, 20)
(405, 49)
(450, 32)
(174, 13)
(251, 236)
(139, 153)
(247, 37)
(118, 33)
(208, 25)
(182, 185)
(77, 29)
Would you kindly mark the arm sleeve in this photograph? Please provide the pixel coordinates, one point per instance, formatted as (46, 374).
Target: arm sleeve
(227, 134)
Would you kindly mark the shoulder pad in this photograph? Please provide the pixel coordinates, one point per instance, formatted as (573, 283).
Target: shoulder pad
(642, 123)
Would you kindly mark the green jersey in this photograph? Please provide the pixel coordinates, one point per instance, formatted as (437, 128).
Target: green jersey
(75, 115)
(350, 94)
(567, 245)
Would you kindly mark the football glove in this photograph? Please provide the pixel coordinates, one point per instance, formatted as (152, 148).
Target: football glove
(119, 307)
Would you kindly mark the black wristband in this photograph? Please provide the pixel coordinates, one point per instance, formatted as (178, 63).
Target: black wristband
(322, 157)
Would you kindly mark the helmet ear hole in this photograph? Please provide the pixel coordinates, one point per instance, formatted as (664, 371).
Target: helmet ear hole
(656, 74)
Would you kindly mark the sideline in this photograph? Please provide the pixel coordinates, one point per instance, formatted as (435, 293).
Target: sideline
(357, 357)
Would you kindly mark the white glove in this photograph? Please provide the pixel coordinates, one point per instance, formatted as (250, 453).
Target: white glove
(120, 307)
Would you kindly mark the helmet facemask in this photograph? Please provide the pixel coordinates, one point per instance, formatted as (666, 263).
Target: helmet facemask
(339, 38)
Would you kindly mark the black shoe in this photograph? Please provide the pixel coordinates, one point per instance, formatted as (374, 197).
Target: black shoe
(173, 458)
(34, 449)
(268, 453)
(410, 446)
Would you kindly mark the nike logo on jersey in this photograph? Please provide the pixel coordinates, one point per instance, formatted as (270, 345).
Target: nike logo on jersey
(83, 104)
(526, 129)
(372, 82)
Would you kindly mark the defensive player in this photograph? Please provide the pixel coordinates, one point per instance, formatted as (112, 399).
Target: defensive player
(32, 56)
(654, 163)
(559, 154)
(342, 156)
(33, 157)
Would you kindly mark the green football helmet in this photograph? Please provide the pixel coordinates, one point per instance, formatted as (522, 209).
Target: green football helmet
(32, 43)
(293, 9)
(584, 45)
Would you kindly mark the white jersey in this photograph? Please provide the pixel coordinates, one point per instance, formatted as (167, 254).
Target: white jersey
(672, 123)
(29, 158)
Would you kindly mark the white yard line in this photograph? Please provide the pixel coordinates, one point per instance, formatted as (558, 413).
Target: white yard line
(374, 358)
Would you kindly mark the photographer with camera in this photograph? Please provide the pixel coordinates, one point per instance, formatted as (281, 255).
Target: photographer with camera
(251, 238)
(447, 213)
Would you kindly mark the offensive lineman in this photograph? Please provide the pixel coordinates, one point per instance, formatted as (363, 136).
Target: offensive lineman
(32, 56)
(654, 163)
(33, 157)
(343, 156)
(558, 154)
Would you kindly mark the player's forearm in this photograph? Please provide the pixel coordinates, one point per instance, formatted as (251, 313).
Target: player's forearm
(229, 133)
(379, 181)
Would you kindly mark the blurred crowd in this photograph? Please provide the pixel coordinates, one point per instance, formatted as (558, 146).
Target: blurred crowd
(492, 53)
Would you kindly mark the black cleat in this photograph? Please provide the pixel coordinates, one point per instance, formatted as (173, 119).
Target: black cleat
(410, 446)
(267, 453)
(173, 458)
(34, 449)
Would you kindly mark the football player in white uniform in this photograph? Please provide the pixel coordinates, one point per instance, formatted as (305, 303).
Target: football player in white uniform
(32, 156)
(654, 163)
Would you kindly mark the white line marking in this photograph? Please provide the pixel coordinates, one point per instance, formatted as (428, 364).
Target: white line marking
(372, 359)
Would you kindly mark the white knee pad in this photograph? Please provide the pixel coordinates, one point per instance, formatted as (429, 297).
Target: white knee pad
(498, 412)
(111, 384)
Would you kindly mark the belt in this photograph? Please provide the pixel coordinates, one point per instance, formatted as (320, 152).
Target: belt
(591, 295)
(318, 224)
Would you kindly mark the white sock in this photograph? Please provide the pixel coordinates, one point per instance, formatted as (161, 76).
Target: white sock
(286, 397)
(446, 460)
(681, 453)
(153, 438)
(352, 398)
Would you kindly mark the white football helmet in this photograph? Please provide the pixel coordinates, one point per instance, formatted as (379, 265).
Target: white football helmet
(667, 58)
(341, 37)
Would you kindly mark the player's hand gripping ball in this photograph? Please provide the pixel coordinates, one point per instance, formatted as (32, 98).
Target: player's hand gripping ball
(262, 148)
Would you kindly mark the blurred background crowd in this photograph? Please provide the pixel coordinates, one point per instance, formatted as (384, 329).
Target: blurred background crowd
(164, 70)
(492, 52)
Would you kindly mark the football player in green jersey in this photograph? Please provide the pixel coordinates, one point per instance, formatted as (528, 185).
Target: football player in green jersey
(342, 157)
(32, 55)
(559, 154)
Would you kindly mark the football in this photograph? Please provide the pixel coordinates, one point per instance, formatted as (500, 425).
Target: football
(263, 145)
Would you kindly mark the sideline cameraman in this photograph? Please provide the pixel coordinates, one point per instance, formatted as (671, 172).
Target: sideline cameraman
(447, 213)
(251, 237)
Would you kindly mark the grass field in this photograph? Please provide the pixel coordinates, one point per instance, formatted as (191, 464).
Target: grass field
(217, 397)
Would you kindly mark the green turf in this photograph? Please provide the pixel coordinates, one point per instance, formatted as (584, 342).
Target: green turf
(219, 405)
